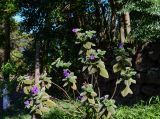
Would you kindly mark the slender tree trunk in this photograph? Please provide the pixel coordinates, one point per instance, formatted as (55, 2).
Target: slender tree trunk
(6, 101)
(37, 62)
(127, 23)
(37, 69)
(122, 30)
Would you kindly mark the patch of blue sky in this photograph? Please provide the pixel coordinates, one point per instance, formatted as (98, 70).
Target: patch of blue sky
(104, 1)
(18, 18)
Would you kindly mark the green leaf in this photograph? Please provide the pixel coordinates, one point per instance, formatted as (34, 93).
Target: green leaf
(100, 52)
(119, 81)
(82, 94)
(80, 52)
(91, 101)
(100, 64)
(47, 79)
(26, 89)
(73, 79)
(39, 112)
(89, 68)
(84, 68)
(127, 89)
(92, 71)
(28, 82)
(118, 58)
(109, 115)
(116, 68)
(65, 84)
(33, 108)
(128, 61)
(111, 110)
(104, 73)
(48, 86)
(123, 72)
(84, 98)
(88, 45)
(93, 94)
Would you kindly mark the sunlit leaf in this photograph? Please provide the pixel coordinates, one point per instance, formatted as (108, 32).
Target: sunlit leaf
(116, 68)
(91, 100)
(39, 112)
(74, 87)
(84, 68)
(88, 45)
(104, 73)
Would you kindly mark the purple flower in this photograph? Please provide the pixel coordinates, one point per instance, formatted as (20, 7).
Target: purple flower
(66, 73)
(35, 90)
(92, 57)
(74, 30)
(27, 103)
(120, 45)
(79, 97)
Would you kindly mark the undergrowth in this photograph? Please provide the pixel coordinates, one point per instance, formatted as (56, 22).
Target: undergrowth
(142, 110)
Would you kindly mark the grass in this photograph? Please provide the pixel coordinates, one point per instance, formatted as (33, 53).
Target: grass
(137, 111)
(151, 111)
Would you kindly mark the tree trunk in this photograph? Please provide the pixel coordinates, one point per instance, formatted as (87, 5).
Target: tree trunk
(127, 23)
(122, 31)
(6, 101)
(37, 62)
(37, 69)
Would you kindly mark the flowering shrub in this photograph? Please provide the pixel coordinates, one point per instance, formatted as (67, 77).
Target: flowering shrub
(36, 99)
(123, 66)
(90, 57)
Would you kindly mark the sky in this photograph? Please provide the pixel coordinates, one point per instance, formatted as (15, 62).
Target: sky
(18, 18)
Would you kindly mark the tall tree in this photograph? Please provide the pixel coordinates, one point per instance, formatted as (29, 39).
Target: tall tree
(8, 9)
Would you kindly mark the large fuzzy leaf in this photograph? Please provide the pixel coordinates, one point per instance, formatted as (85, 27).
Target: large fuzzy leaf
(103, 71)
(28, 82)
(127, 89)
(39, 112)
(116, 68)
(91, 100)
(88, 45)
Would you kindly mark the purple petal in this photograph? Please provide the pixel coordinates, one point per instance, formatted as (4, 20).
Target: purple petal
(92, 57)
(35, 90)
(66, 73)
(120, 45)
(74, 30)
